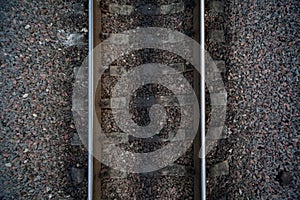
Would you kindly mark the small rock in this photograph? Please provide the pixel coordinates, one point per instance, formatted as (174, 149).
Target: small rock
(85, 30)
(35, 115)
(8, 165)
(25, 95)
(284, 177)
(27, 26)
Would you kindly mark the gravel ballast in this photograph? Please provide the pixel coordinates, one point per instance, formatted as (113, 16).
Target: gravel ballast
(37, 160)
(262, 81)
(43, 41)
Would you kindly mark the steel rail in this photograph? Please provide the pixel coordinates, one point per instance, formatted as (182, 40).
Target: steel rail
(90, 104)
(202, 101)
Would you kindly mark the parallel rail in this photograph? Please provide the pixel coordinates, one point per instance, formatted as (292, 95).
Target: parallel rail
(199, 190)
(202, 101)
(91, 103)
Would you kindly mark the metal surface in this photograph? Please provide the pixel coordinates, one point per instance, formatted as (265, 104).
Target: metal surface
(202, 102)
(91, 104)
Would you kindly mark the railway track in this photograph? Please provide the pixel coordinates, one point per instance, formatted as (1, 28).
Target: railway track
(182, 179)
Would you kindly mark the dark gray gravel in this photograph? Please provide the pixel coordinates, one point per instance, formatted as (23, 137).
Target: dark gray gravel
(144, 186)
(35, 99)
(262, 81)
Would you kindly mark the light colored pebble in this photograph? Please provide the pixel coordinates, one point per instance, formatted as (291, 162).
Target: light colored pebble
(8, 164)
